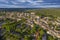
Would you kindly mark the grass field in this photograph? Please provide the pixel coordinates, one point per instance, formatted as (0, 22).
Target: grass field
(54, 12)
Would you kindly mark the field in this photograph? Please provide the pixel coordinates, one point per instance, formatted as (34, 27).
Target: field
(54, 12)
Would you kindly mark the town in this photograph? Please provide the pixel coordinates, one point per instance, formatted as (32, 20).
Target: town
(48, 23)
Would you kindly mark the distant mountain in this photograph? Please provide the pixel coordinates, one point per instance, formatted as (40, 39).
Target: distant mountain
(16, 9)
(25, 9)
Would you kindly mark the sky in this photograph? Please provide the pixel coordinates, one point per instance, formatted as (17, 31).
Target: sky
(29, 3)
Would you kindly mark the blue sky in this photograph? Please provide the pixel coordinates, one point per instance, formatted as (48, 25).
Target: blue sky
(29, 3)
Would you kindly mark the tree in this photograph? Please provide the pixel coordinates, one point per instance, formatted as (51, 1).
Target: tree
(50, 37)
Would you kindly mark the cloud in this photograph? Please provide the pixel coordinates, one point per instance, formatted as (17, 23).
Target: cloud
(28, 3)
(4, 1)
(10, 6)
(48, 6)
(29, 0)
(24, 1)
